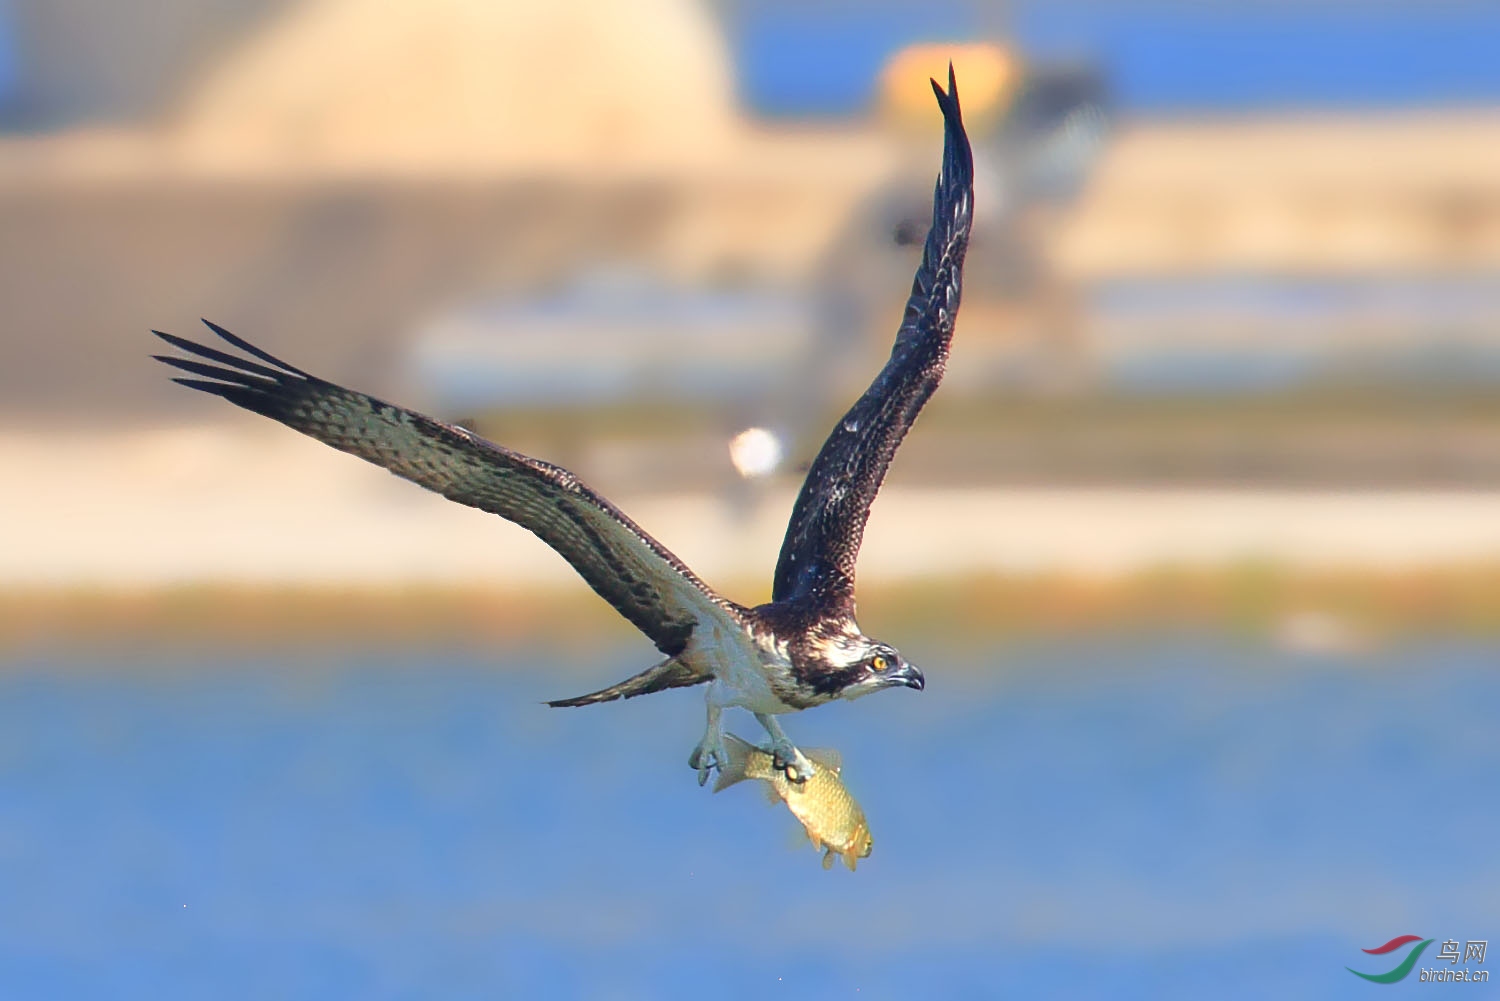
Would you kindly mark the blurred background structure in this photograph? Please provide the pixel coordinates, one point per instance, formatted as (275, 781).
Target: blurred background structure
(1208, 257)
(1228, 366)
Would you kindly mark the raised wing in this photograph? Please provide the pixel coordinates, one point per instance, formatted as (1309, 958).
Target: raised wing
(828, 522)
(632, 571)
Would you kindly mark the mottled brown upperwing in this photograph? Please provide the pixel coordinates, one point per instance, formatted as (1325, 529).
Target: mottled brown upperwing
(648, 585)
(816, 566)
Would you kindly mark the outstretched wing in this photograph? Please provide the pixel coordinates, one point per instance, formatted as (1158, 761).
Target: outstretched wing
(828, 522)
(632, 571)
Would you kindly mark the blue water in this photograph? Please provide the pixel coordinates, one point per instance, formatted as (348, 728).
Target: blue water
(1147, 819)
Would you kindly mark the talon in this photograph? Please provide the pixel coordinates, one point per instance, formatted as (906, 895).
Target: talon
(705, 759)
(793, 764)
(787, 759)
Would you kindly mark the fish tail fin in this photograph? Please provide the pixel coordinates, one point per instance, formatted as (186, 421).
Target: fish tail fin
(670, 673)
(737, 768)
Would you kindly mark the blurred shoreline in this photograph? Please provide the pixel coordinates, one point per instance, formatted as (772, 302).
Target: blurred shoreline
(262, 506)
(1327, 612)
(264, 538)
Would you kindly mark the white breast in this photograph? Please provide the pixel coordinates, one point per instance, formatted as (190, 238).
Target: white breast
(740, 664)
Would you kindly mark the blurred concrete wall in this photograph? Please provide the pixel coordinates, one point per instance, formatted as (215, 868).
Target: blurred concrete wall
(1413, 191)
(344, 271)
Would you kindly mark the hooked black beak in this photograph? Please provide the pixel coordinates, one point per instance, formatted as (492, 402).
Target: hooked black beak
(907, 675)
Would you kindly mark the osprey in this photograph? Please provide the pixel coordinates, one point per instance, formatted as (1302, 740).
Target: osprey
(801, 649)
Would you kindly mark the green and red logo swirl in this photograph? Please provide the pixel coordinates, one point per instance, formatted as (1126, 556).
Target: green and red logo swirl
(1404, 967)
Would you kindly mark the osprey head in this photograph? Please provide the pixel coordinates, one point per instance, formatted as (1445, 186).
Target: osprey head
(885, 668)
(857, 665)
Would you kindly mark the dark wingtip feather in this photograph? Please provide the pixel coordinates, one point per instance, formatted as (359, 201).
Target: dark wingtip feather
(203, 385)
(947, 100)
(237, 376)
(958, 155)
(213, 354)
(246, 346)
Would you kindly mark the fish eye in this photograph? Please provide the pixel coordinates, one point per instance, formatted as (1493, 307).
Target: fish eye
(879, 663)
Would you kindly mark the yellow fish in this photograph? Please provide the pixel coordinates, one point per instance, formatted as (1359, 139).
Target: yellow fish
(832, 817)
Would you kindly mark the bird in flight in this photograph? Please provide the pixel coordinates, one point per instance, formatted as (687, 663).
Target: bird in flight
(803, 648)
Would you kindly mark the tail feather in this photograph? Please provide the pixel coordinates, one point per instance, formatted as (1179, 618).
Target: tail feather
(670, 673)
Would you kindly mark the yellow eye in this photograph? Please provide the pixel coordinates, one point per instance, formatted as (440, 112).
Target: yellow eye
(878, 663)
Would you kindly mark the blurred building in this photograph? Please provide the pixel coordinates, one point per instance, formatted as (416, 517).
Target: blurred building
(350, 170)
